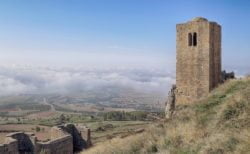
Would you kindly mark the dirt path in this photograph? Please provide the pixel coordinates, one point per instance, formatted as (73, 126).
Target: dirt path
(52, 108)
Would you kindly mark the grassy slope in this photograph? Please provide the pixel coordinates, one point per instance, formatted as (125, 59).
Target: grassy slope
(219, 123)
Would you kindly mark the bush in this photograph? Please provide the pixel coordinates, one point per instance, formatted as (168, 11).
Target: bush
(153, 149)
(38, 129)
(231, 144)
(122, 115)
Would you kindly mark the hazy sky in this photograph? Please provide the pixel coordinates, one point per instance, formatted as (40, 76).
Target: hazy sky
(116, 32)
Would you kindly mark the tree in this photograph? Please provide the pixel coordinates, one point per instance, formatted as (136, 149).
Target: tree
(62, 119)
(38, 129)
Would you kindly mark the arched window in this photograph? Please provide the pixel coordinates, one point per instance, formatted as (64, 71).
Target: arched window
(190, 39)
(195, 39)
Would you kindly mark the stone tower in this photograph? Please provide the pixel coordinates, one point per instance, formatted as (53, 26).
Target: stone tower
(198, 67)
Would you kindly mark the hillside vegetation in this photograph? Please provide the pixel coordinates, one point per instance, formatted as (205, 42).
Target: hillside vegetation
(219, 123)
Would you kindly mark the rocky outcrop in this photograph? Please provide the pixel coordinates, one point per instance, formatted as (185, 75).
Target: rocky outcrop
(170, 103)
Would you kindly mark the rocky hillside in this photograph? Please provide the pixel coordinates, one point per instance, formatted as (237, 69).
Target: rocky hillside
(219, 123)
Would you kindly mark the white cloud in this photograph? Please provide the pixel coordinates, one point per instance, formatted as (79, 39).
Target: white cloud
(21, 80)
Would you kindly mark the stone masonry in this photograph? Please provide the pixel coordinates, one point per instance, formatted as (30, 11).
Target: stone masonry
(65, 139)
(198, 66)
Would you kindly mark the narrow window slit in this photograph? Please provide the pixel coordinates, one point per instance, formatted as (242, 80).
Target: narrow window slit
(190, 39)
(195, 39)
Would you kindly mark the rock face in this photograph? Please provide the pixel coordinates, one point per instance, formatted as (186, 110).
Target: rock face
(170, 103)
(198, 67)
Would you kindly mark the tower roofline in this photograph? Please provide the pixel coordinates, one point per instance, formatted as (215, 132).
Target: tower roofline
(198, 19)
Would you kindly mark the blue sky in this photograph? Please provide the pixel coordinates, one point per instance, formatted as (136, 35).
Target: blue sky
(116, 32)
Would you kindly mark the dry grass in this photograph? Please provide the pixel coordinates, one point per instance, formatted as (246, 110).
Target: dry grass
(130, 144)
(43, 134)
(219, 123)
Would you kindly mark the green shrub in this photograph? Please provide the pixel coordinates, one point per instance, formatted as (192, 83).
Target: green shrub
(167, 143)
(122, 115)
(231, 144)
(38, 129)
(153, 149)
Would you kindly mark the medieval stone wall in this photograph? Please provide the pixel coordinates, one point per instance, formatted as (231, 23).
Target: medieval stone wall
(57, 132)
(62, 145)
(215, 55)
(65, 139)
(86, 134)
(79, 140)
(26, 142)
(198, 65)
(9, 147)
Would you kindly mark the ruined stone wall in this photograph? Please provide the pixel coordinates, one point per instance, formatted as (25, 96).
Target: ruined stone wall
(57, 132)
(9, 147)
(62, 145)
(86, 134)
(26, 142)
(197, 66)
(79, 142)
(18, 143)
(65, 139)
(60, 142)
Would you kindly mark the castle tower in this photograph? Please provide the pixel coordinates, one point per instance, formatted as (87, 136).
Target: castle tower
(198, 67)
